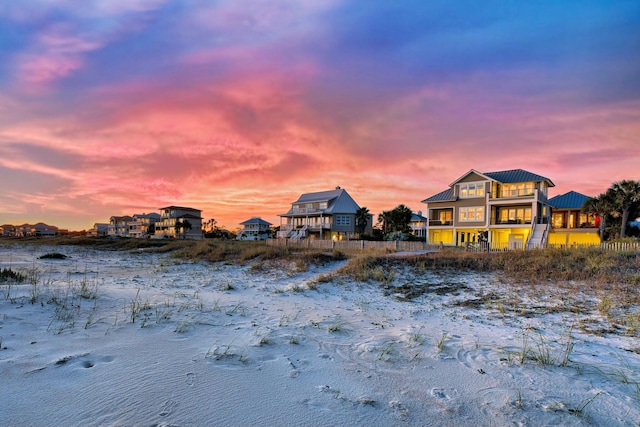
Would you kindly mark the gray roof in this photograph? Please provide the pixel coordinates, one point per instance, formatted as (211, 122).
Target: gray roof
(570, 200)
(517, 175)
(338, 201)
(444, 196)
(504, 177)
(255, 220)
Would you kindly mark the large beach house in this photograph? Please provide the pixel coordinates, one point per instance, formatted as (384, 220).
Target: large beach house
(322, 215)
(503, 209)
(171, 215)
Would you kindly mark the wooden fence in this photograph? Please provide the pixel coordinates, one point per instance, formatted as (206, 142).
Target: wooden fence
(393, 245)
(400, 246)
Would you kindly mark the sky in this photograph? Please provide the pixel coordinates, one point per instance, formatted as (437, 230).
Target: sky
(119, 107)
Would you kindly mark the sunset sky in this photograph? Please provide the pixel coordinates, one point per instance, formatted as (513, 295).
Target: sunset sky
(117, 107)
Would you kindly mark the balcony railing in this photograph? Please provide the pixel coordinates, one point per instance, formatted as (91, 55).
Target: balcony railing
(306, 210)
(516, 221)
(436, 222)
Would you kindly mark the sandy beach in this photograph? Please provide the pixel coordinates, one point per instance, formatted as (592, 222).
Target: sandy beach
(137, 338)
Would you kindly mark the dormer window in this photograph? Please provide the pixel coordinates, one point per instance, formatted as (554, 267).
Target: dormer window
(471, 190)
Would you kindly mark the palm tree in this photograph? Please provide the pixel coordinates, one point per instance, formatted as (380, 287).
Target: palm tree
(626, 193)
(178, 226)
(186, 226)
(362, 219)
(601, 206)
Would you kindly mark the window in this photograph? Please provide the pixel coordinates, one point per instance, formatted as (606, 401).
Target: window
(322, 205)
(471, 190)
(471, 214)
(343, 220)
(445, 217)
(517, 190)
(515, 216)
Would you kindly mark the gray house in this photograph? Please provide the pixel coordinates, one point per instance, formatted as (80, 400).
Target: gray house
(322, 215)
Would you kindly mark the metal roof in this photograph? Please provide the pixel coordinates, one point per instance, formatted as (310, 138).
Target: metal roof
(255, 220)
(444, 196)
(570, 200)
(417, 217)
(517, 175)
(321, 196)
(338, 201)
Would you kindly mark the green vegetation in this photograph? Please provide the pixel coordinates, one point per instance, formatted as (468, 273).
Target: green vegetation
(53, 255)
(7, 274)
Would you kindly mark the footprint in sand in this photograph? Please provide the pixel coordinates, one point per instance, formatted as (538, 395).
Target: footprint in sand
(191, 378)
(167, 408)
(439, 393)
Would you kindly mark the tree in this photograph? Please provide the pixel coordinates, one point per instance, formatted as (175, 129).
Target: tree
(362, 219)
(210, 226)
(186, 226)
(397, 219)
(602, 206)
(178, 226)
(625, 193)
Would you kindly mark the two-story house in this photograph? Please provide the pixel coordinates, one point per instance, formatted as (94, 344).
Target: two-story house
(418, 224)
(172, 215)
(322, 215)
(569, 225)
(254, 228)
(503, 209)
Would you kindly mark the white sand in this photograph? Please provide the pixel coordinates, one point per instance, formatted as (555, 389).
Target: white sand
(216, 344)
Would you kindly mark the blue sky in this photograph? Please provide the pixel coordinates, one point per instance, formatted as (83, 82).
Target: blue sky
(236, 107)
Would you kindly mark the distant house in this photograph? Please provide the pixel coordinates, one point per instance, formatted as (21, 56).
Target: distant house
(99, 230)
(569, 225)
(143, 225)
(43, 230)
(418, 224)
(119, 226)
(322, 215)
(171, 215)
(254, 229)
(504, 209)
(7, 230)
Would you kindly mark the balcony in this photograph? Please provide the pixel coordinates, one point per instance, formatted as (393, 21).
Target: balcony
(438, 222)
(305, 211)
(517, 221)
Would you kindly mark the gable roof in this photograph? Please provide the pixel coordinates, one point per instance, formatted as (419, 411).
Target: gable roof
(338, 201)
(570, 200)
(517, 175)
(503, 177)
(255, 220)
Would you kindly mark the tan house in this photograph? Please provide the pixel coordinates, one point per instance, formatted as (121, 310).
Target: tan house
(322, 215)
(569, 225)
(171, 215)
(503, 209)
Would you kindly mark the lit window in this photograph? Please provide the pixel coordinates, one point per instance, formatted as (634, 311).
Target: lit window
(471, 214)
(471, 190)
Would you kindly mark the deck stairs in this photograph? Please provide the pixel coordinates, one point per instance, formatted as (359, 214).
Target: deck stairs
(538, 238)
